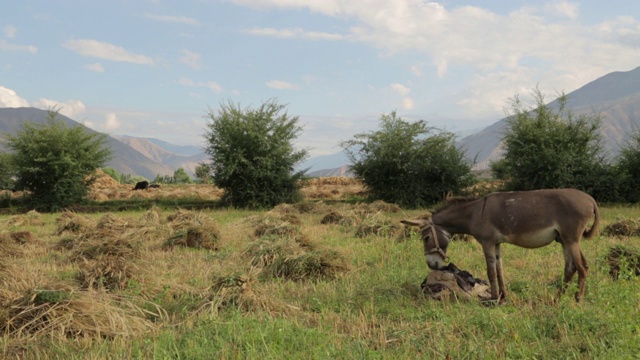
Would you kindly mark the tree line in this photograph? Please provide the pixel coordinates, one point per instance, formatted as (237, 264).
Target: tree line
(411, 164)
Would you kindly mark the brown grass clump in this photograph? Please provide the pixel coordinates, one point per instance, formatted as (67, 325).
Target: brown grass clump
(199, 237)
(106, 272)
(277, 225)
(59, 311)
(94, 248)
(624, 261)
(381, 206)
(70, 222)
(22, 237)
(378, 225)
(309, 265)
(349, 218)
(31, 218)
(151, 216)
(8, 246)
(239, 292)
(625, 227)
(194, 230)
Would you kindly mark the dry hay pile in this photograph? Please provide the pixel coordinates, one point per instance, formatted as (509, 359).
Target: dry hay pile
(58, 310)
(70, 222)
(194, 230)
(623, 261)
(332, 188)
(483, 188)
(625, 227)
(241, 292)
(282, 251)
(106, 250)
(344, 218)
(31, 218)
(378, 225)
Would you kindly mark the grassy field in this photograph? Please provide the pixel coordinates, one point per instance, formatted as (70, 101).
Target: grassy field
(165, 283)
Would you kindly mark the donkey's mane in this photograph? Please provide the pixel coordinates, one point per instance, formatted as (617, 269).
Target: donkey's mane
(455, 200)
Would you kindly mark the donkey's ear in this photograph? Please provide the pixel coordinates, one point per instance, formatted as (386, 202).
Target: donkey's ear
(419, 222)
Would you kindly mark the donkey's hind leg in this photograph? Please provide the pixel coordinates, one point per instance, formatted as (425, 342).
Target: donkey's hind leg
(574, 261)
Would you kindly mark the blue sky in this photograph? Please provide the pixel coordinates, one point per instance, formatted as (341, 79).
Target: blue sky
(156, 68)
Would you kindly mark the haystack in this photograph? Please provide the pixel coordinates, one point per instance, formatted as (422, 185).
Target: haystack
(59, 311)
(106, 272)
(624, 227)
(240, 292)
(70, 222)
(31, 218)
(195, 230)
(623, 261)
(378, 225)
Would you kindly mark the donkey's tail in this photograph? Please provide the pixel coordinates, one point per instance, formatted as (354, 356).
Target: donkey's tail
(596, 221)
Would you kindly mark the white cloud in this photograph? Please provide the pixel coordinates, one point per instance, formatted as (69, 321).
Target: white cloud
(71, 109)
(214, 86)
(563, 54)
(294, 33)
(10, 31)
(9, 98)
(408, 104)
(6, 46)
(191, 59)
(281, 85)
(111, 122)
(173, 19)
(563, 8)
(107, 51)
(400, 89)
(97, 67)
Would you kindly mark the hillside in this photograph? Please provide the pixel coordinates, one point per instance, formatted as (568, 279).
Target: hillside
(615, 96)
(125, 159)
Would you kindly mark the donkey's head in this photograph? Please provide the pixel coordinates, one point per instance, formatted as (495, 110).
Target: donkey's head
(435, 241)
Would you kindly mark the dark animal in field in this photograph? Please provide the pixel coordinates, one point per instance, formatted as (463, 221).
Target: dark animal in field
(155, 186)
(529, 219)
(141, 185)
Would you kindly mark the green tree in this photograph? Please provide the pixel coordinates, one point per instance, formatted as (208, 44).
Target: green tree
(7, 172)
(55, 162)
(180, 176)
(203, 173)
(113, 173)
(409, 164)
(548, 147)
(628, 169)
(252, 154)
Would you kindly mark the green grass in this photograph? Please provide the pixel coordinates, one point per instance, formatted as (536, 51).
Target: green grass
(375, 310)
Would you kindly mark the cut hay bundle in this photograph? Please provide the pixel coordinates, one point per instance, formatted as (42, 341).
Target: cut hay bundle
(94, 248)
(199, 237)
(70, 222)
(623, 261)
(195, 230)
(31, 218)
(110, 222)
(151, 216)
(378, 225)
(106, 272)
(625, 227)
(22, 237)
(264, 251)
(273, 225)
(239, 292)
(59, 311)
(381, 206)
(336, 217)
(311, 265)
(8, 246)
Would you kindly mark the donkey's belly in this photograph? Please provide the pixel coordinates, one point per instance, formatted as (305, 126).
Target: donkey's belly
(533, 239)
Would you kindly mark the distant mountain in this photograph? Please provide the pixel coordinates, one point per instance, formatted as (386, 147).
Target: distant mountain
(126, 159)
(615, 96)
(162, 152)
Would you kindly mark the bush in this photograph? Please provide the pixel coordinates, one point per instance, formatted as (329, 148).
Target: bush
(253, 156)
(548, 148)
(408, 164)
(54, 162)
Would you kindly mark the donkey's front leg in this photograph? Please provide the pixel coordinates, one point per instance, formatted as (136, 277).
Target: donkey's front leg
(502, 287)
(490, 256)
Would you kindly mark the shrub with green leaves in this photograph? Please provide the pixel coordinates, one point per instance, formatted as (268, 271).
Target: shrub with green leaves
(53, 161)
(409, 164)
(545, 147)
(253, 158)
